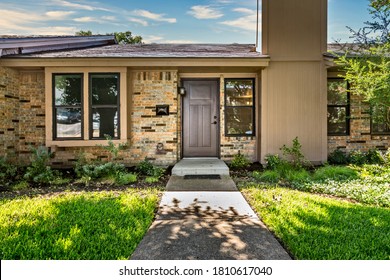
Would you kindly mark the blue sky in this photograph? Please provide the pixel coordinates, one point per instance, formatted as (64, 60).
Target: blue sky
(160, 21)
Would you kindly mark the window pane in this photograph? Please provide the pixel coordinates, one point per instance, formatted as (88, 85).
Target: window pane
(105, 122)
(104, 89)
(337, 122)
(239, 121)
(337, 92)
(68, 122)
(380, 118)
(68, 90)
(239, 92)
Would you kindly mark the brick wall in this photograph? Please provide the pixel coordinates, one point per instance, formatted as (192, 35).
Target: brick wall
(147, 129)
(9, 112)
(360, 137)
(230, 146)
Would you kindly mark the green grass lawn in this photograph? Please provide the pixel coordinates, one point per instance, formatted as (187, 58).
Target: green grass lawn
(85, 225)
(316, 227)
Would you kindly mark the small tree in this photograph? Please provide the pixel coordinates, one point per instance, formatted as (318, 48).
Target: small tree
(367, 61)
(121, 37)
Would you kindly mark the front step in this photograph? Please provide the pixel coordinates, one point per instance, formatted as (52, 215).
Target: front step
(200, 166)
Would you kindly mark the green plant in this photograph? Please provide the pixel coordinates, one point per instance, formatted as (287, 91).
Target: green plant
(151, 179)
(7, 171)
(273, 161)
(113, 148)
(294, 154)
(296, 175)
(39, 171)
(338, 173)
(145, 167)
(271, 176)
(357, 157)
(338, 157)
(125, 178)
(239, 161)
(22, 185)
(373, 156)
(387, 157)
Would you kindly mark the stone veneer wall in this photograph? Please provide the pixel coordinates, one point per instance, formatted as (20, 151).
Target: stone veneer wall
(22, 113)
(147, 129)
(360, 137)
(230, 146)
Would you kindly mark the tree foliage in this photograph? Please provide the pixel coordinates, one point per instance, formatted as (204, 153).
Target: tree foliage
(121, 37)
(367, 61)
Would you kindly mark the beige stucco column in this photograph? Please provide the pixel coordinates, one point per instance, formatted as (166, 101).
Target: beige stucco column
(294, 34)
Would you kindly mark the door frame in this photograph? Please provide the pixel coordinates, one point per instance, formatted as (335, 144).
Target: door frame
(218, 130)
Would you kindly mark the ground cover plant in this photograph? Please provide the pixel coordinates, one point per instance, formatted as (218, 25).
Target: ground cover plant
(311, 226)
(76, 225)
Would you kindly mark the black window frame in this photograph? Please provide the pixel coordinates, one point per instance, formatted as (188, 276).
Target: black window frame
(346, 106)
(253, 107)
(385, 133)
(91, 107)
(54, 107)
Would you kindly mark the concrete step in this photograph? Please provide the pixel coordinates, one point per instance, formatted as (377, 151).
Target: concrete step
(200, 166)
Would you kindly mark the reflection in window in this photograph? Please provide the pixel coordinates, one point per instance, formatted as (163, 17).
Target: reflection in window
(338, 107)
(104, 96)
(380, 119)
(239, 107)
(67, 105)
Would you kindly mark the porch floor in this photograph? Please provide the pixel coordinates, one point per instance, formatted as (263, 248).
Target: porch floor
(200, 166)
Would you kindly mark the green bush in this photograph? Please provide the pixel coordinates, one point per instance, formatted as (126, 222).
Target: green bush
(92, 171)
(146, 168)
(239, 162)
(338, 157)
(7, 171)
(39, 171)
(294, 154)
(151, 179)
(373, 156)
(273, 161)
(357, 158)
(297, 175)
(271, 176)
(125, 178)
(338, 173)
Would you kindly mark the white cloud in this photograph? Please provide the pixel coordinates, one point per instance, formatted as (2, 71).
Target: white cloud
(161, 40)
(87, 19)
(139, 21)
(246, 22)
(69, 4)
(58, 14)
(110, 18)
(152, 39)
(204, 12)
(153, 16)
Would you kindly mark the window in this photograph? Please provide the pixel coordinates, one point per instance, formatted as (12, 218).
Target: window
(104, 105)
(380, 119)
(338, 107)
(239, 107)
(68, 109)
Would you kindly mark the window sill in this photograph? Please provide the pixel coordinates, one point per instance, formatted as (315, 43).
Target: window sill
(83, 143)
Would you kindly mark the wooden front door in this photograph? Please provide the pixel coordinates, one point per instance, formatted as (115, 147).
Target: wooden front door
(200, 118)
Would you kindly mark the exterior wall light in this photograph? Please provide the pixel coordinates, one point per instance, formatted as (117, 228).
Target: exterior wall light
(182, 90)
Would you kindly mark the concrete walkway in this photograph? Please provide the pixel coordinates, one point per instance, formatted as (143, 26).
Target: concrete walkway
(207, 222)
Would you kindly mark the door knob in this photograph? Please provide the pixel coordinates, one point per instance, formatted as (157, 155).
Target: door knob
(214, 122)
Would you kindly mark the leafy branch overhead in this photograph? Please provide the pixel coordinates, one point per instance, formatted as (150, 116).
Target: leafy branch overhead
(366, 62)
(121, 37)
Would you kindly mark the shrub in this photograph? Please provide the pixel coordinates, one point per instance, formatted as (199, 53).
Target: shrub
(7, 171)
(357, 157)
(294, 154)
(239, 161)
(103, 170)
(146, 168)
(125, 178)
(151, 179)
(338, 173)
(387, 157)
(373, 156)
(39, 171)
(338, 157)
(273, 161)
(112, 148)
(271, 176)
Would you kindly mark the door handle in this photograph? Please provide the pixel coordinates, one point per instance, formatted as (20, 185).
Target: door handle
(214, 122)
